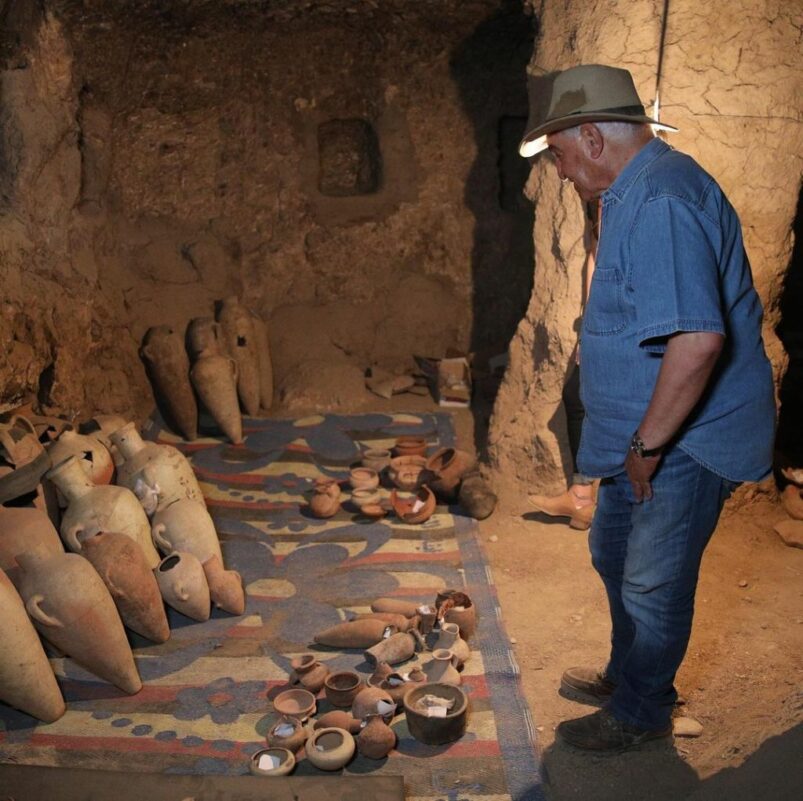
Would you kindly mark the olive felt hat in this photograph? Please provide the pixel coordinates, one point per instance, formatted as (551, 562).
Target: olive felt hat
(589, 93)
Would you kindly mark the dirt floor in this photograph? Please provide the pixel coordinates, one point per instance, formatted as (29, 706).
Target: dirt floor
(742, 677)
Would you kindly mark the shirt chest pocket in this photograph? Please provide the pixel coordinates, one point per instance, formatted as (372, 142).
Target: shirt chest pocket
(605, 311)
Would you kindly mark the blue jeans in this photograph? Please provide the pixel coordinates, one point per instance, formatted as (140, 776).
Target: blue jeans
(648, 555)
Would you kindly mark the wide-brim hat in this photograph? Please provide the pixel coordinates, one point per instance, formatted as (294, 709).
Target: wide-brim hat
(589, 93)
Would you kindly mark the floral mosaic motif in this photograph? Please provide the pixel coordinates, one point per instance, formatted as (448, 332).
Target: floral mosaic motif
(223, 699)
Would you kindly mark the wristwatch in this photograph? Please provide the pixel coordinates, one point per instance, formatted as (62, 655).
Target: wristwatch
(637, 446)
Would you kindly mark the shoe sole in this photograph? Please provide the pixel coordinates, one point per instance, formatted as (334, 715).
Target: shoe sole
(586, 696)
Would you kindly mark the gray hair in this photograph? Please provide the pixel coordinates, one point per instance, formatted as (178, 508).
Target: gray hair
(618, 131)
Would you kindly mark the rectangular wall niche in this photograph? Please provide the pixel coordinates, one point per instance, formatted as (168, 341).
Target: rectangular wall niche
(349, 161)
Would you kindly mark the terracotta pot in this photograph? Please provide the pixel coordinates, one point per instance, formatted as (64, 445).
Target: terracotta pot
(309, 673)
(92, 455)
(215, 380)
(287, 733)
(377, 739)
(330, 749)
(792, 501)
(168, 369)
(397, 648)
(454, 606)
(363, 478)
(354, 634)
(407, 472)
(183, 585)
(325, 501)
(272, 762)
(225, 586)
(373, 511)
(121, 564)
(162, 469)
(92, 509)
(476, 497)
(264, 361)
(406, 608)
(409, 445)
(296, 703)
(373, 701)
(416, 509)
(238, 333)
(365, 497)
(23, 529)
(26, 679)
(436, 730)
(376, 459)
(448, 465)
(204, 336)
(342, 687)
(72, 609)
(338, 719)
(441, 668)
(449, 639)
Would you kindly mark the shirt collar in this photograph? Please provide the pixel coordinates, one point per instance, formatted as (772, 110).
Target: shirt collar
(651, 151)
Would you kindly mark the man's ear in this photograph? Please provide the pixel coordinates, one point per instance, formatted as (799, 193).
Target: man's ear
(591, 137)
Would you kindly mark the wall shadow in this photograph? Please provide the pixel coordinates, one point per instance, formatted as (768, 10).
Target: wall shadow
(489, 69)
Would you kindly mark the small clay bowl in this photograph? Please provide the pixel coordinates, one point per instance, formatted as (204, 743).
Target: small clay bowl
(363, 478)
(405, 471)
(365, 497)
(376, 458)
(341, 688)
(408, 445)
(293, 741)
(276, 762)
(295, 703)
(373, 510)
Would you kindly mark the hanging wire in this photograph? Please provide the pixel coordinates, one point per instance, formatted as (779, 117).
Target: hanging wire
(656, 109)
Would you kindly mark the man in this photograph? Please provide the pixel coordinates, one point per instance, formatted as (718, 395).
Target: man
(675, 382)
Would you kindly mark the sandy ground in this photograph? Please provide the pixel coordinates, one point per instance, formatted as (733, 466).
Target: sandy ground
(742, 677)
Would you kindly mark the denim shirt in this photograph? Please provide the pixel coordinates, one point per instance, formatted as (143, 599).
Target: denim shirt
(670, 260)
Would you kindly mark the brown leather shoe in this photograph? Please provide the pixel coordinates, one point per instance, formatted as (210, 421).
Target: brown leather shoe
(574, 504)
(587, 683)
(601, 731)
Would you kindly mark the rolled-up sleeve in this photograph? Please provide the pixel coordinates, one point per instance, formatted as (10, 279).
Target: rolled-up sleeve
(673, 277)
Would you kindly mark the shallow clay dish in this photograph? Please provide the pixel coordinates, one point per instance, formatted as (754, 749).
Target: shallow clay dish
(295, 703)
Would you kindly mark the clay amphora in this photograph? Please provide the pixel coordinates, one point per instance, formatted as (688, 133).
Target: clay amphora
(330, 749)
(92, 509)
(342, 687)
(204, 334)
(215, 380)
(23, 529)
(160, 468)
(416, 509)
(441, 668)
(225, 586)
(450, 640)
(448, 465)
(377, 739)
(238, 334)
(183, 585)
(454, 606)
(121, 564)
(92, 455)
(401, 622)
(338, 719)
(373, 701)
(168, 366)
(397, 648)
(287, 732)
(72, 609)
(309, 673)
(26, 679)
(406, 608)
(264, 361)
(354, 634)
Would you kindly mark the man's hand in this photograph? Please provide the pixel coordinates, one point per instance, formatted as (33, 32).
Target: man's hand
(640, 470)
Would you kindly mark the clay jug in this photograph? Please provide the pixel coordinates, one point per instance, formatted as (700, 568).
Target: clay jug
(23, 529)
(309, 673)
(26, 679)
(354, 634)
(92, 455)
(148, 466)
(448, 465)
(325, 501)
(450, 640)
(265, 361)
(377, 739)
(397, 648)
(441, 668)
(215, 380)
(92, 509)
(238, 334)
(72, 609)
(125, 572)
(183, 585)
(168, 369)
